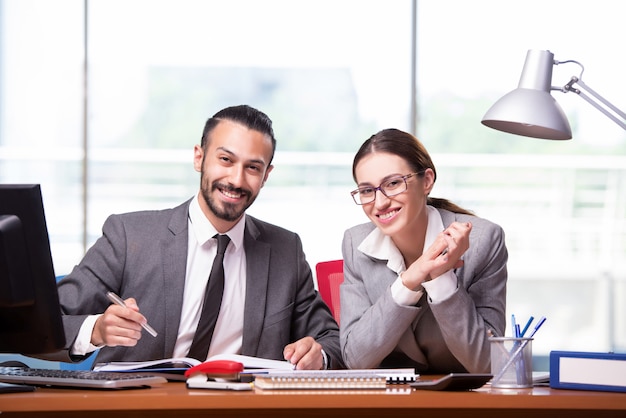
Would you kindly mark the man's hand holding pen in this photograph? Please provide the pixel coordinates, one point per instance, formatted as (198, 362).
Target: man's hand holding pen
(120, 324)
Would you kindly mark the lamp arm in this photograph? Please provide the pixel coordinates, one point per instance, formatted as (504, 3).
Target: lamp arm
(570, 87)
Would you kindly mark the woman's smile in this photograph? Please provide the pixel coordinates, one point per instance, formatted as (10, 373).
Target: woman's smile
(388, 216)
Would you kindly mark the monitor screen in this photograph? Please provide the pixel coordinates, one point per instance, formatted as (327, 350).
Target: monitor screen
(30, 315)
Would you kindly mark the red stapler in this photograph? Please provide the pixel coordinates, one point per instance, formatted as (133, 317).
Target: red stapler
(217, 369)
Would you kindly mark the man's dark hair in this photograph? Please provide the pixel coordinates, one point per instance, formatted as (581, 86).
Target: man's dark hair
(245, 115)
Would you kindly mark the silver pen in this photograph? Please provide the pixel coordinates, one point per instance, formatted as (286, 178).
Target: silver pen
(118, 301)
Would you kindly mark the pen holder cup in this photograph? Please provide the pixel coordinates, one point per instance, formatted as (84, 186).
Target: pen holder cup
(511, 362)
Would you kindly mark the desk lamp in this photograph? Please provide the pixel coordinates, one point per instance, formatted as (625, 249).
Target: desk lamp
(530, 110)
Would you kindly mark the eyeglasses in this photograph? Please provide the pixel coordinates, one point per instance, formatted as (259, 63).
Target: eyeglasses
(393, 186)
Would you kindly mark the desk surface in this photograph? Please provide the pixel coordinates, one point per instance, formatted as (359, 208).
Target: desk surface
(174, 399)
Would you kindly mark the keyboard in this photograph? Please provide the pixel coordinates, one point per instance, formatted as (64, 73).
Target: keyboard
(78, 378)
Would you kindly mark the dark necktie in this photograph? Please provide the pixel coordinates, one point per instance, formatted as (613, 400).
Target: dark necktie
(212, 302)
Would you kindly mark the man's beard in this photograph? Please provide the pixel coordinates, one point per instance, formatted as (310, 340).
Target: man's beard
(223, 210)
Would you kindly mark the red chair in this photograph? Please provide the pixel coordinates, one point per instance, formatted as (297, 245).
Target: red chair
(329, 277)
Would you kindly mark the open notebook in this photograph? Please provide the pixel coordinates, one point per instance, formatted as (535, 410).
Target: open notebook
(175, 368)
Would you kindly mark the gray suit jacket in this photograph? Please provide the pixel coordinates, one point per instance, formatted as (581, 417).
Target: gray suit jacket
(444, 337)
(143, 255)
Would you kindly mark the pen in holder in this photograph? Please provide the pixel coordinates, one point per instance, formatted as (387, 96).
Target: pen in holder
(511, 362)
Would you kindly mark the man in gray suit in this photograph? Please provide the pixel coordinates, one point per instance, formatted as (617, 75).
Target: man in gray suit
(159, 263)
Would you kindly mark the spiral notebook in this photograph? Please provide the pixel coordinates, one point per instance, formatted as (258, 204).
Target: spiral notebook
(334, 379)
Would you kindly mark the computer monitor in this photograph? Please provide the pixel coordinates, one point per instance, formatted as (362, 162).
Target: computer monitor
(30, 314)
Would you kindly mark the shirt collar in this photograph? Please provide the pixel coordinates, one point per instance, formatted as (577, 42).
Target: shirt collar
(380, 246)
(204, 230)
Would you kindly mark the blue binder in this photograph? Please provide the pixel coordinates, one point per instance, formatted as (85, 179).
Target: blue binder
(588, 371)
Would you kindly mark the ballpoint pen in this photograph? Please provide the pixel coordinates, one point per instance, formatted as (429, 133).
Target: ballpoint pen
(530, 320)
(514, 327)
(539, 324)
(119, 301)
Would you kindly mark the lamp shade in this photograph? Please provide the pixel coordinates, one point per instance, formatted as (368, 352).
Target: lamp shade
(530, 110)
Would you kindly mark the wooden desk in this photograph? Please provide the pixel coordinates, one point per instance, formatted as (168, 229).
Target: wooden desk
(174, 399)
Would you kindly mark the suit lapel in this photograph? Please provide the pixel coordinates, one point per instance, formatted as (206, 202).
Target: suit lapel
(447, 217)
(257, 276)
(174, 259)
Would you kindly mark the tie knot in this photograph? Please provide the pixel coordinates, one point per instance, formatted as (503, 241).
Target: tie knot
(222, 243)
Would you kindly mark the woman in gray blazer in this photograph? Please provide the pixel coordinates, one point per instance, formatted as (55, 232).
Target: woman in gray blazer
(425, 280)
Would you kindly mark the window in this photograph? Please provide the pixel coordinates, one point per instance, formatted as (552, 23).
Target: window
(330, 73)
(562, 204)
